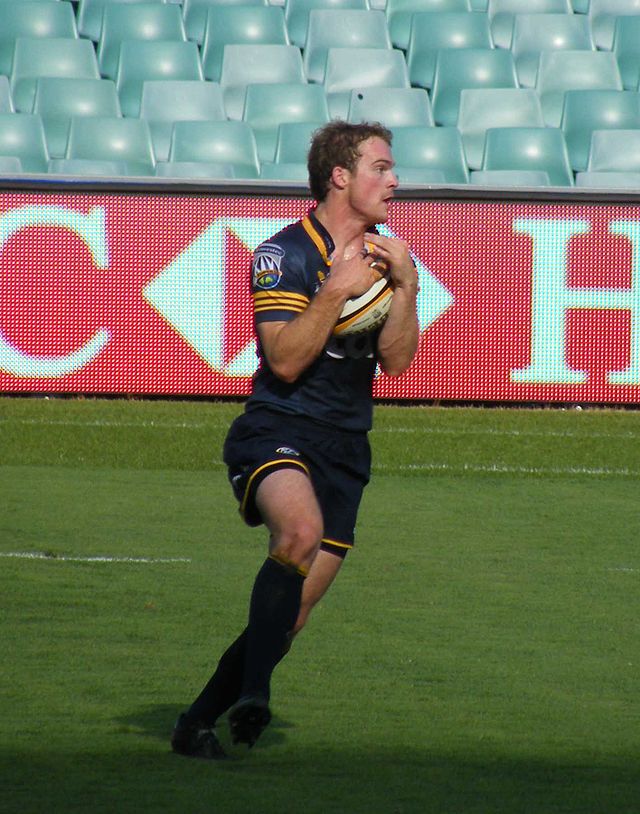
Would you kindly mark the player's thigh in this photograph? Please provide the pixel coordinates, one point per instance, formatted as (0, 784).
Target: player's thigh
(289, 507)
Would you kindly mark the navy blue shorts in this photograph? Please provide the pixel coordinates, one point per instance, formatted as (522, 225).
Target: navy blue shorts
(338, 463)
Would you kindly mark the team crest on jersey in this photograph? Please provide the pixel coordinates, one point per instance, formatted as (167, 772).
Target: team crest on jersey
(266, 266)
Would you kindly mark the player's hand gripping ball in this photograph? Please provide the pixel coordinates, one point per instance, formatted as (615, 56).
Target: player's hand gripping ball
(368, 311)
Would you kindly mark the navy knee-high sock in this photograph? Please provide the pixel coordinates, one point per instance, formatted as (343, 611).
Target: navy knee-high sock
(223, 688)
(274, 608)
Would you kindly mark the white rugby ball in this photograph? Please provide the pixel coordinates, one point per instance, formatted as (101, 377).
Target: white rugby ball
(366, 312)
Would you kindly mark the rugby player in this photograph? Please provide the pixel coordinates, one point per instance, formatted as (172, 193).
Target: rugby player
(298, 457)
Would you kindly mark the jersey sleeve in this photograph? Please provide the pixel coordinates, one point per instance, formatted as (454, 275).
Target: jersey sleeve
(278, 283)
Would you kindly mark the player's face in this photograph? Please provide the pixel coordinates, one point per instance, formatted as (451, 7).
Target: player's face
(373, 181)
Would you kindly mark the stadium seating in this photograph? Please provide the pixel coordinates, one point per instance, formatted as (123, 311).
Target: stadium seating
(267, 105)
(34, 58)
(614, 151)
(281, 171)
(57, 100)
(146, 60)
(419, 176)
(139, 21)
(89, 15)
(165, 101)
(400, 14)
(529, 148)
(602, 16)
(244, 65)
(433, 148)
(626, 47)
(341, 28)
(239, 25)
(110, 138)
(6, 102)
(293, 140)
(195, 12)
(22, 136)
(361, 68)
(510, 178)
(432, 32)
(194, 169)
(587, 110)
(296, 14)
(37, 18)
(533, 33)
(502, 15)
(10, 165)
(560, 71)
(482, 108)
(608, 180)
(88, 167)
(464, 68)
(227, 142)
(394, 107)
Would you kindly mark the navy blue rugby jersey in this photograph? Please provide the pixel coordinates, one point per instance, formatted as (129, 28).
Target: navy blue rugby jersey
(287, 271)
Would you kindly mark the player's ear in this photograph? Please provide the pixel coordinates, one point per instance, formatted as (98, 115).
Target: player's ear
(339, 177)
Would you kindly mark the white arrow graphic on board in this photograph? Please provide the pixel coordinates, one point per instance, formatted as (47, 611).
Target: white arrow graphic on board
(190, 291)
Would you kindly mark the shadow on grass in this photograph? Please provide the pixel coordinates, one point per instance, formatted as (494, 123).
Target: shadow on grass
(134, 771)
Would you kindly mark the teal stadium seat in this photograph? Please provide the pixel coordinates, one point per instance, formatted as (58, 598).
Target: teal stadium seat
(89, 16)
(349, 68)
(228, 142)
(45, 18)
(210, 170)
(587, 110)
(529, 148)
(58, 100)
(533, 33)
(431, 148)
(244, 65)
(510, 178)
(147, 60)
(10, 165)
(614, 151)
(463, 68)
(432, 32)
(82, 167)
(394, 107)
(609, 180)
(35, 58)
(602, 15)
(341, 28)
(22, 136)
(626, 47)
(296, 172)
(165, 101)
(482, 108)
(560, 71)
(239, 25)
(110, 138)
(141, 21)
(419, 176)
(266, 106)
(296, 13)
(6, 102)
(293, 142)
(502, 15)
(195, 12)
(400, 15)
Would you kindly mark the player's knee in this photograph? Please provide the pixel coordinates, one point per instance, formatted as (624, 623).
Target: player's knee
(298, 543)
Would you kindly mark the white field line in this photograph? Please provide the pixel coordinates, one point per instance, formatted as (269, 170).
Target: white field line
(40, 555)
(499, 469)
(426, 430)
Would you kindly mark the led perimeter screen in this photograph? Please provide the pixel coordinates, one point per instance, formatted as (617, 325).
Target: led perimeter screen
(148, 293)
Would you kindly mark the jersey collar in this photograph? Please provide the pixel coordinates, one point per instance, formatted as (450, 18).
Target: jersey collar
(319, 235)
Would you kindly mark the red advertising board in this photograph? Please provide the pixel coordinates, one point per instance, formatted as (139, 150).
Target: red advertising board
(147, 293)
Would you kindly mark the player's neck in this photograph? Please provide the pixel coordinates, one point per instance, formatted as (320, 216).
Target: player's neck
(346, 231)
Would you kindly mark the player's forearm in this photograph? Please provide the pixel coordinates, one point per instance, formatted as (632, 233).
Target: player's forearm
(295, 345)
(399, 338)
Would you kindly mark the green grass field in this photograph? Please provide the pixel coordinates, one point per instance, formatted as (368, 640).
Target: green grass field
(479, 653)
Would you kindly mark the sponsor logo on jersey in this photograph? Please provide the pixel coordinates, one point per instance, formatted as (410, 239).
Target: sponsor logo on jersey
(266, 266)
(288, 451)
